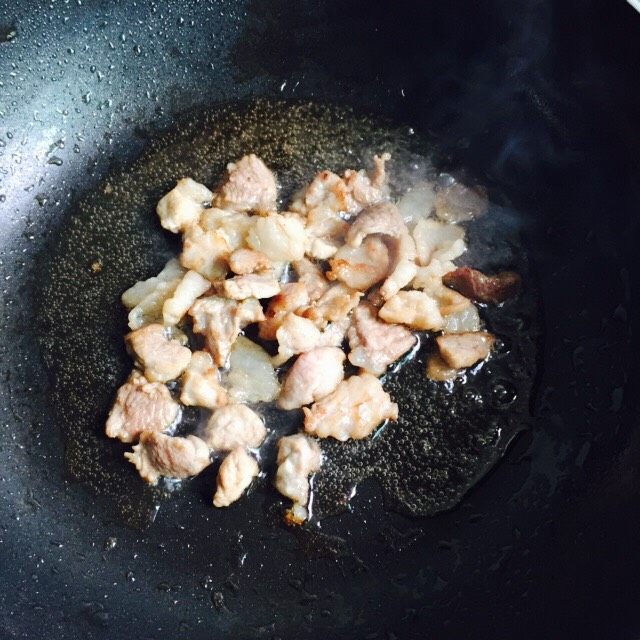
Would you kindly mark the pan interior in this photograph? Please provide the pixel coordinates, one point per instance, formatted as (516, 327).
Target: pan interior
(444, 441)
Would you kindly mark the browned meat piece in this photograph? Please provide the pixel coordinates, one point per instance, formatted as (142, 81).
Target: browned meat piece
(311, 275)
(383, 218)
(235, 425)
(221, 321)
(369, 188)
(460, 350)
(363, 266)
(252, 285)
(292, 297)
(161, 357)
(415, 309)
(250, 186)
(244, 261)
(482, 288)
(159, 455)
(141, 406)
(438, 370)
(200, 383)
(183, 205)
(375, 344)
(298, 458)
(357, 406)
(236, 473)
(336, 303)
(314, 375)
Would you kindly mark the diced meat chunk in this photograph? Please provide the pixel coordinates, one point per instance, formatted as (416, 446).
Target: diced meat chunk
(463, 321)
(221, 320)
(236, 473)
(140, 406)
(251, 376)
(336, 303)
(374, 344)
(146, 298)
(292, 296)
(357, 406)
(314, 375)
(298, 458)
(438, 370)
(369, 188)
(249, 186)
(183, 205)
(482, 288)
(280, 238)
(243, 261)
(464, 349)
(312, 277)
(450, 301)
(235, 425)
(295, 335)
(404, 267)
(415, 309)
(191, 287)
(328, 192)
(161, 357)
(438, 240)
(200, 383)
(456, 203)
(204, 252)
(252, 285)
(333, 334)
(383, 218)
(363, 266)
(429, 277)
(159, 455)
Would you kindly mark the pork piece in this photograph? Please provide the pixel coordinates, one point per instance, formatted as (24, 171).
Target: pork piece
(456, 203)
(183, 205)
(367, 188)
(465, 320)
(280, 238)
(357, 406)
(312, 276)
(314, 375)
(249, 186)
(191, 287)
(252, 285)
(438, 240)
(295, 335)
(336, 303)
(404, 268)
(161, 357)
(159, 455)
(383, 218)
(328, 192)
(204, 252)
(200, 383)
(417, 203)
(374, 344)
(438, 370)
(221, 320)
(482, 288)
(298, 458)
(243, 261)
(429, 277)
(333, 334)
(234, 425)
(464, 349)
(321, 248)
(292, 296)
(251, 376)
(236, 473)
(450, 301)
(415, 309)
(140, 406)
(147, 297)
(206, 247)
(363, 266)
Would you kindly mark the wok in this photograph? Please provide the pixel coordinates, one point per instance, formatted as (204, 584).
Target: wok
(538, 100)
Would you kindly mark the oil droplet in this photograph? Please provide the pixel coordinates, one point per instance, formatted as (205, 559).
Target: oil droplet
(55, 161)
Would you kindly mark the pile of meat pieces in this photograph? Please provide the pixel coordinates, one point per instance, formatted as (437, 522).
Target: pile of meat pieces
(341, 263)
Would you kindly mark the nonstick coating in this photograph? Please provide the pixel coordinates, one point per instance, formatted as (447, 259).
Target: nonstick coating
(534, 99)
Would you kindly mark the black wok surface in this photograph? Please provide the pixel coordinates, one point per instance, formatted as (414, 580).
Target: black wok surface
(534, 99)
